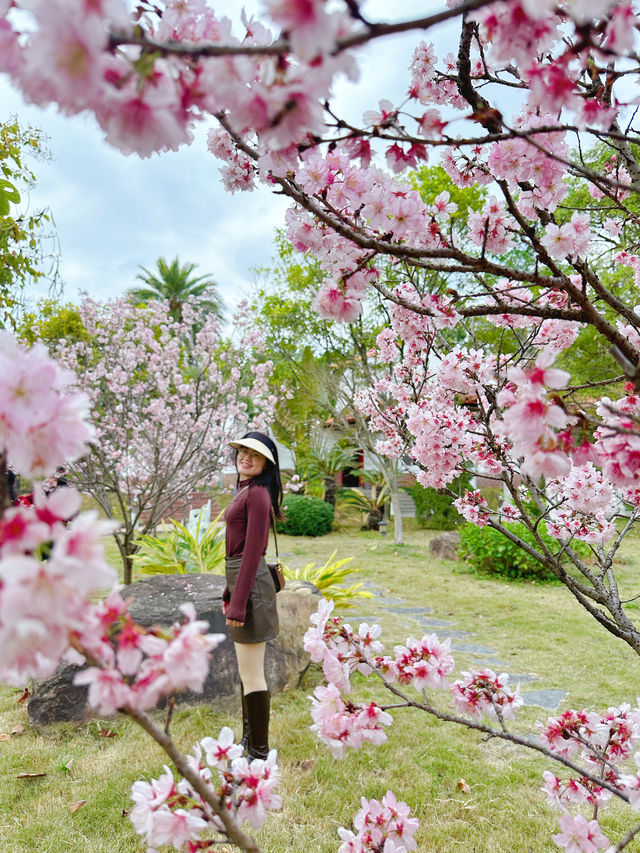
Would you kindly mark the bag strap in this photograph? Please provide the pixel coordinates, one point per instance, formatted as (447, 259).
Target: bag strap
(273, 527)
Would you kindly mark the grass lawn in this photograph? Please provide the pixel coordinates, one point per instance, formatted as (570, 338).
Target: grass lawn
(470, 795)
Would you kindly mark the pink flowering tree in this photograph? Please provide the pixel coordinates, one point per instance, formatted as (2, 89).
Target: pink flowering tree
(165, 397)
(534, 105)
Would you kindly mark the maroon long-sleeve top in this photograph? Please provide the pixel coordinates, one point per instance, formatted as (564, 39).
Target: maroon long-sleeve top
(247, 517)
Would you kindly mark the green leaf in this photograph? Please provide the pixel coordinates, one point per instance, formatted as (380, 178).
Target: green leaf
(8, 193)
(328, 580)
(180, 552)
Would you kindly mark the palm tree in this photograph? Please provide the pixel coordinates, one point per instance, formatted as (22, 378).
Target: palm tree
(175, 283)
(324, 461)
(375, 502)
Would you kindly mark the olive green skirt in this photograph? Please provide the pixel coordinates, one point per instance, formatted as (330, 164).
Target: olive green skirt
(261, 622)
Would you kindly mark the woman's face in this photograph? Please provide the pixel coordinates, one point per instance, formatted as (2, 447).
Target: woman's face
(249, 463)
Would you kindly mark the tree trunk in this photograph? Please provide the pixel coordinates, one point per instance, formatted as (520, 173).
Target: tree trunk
(128, 570)
(398, 536)
(127, 548)
(373, 519)
(131, 548)
(330, 490)
(390, 474)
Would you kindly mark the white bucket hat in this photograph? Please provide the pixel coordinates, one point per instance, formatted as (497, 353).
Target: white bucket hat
(254, 444)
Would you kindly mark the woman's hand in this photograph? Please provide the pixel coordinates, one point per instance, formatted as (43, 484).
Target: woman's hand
(231, 623)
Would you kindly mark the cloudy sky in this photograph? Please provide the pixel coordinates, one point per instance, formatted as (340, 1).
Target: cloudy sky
(115, 213)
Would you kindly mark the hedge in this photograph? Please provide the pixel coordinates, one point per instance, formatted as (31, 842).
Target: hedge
(487, 551)
(305, 516)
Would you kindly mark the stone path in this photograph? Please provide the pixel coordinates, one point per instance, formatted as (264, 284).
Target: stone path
(462, 641)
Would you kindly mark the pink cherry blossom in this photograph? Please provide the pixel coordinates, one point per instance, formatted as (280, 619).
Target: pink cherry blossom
(256, 795)
(424, 664)
(107, 689)
(186, 659)
(65, 59)
(341, 725)
(492, 228)
(10, 53)
(144, 120)
(175, 826)
(385, 115)
(619, 451)
(313, 29)
(39, 421)
(48, 599)
(583, 501)
(567, 733)
(381, 826)
(620, 29)
(334, 301)
(222, 751)
(21, 531)
(149, 796)
(483, 692)
(579, 835)
(572, 238)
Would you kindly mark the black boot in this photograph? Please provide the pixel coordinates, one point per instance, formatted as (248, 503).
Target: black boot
(244, 743)
(258, 704)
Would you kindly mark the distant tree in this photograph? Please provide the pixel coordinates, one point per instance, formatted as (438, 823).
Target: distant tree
(176, 283)
(51, 321)
(23, 236)
(165, 401)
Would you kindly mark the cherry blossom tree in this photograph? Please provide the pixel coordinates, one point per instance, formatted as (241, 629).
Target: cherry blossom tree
(525, 107)
(165, 395)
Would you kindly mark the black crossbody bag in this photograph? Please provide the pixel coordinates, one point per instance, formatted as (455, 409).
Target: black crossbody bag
(276, 568)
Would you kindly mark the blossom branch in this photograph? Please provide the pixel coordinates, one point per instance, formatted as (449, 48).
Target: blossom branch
(163, 739)
(282, 46)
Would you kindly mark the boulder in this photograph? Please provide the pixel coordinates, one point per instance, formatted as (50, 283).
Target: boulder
(156, 600)
(445, 545)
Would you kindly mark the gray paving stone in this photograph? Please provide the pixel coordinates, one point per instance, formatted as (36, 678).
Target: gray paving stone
(522, 678)
(549, 698)
(446, 633)
(473, 649)
(355, 619)
(410, 611)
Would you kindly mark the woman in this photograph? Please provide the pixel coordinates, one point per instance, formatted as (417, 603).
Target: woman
(249, 601)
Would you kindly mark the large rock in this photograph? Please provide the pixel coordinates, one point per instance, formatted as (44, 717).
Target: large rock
(445, 545)
(156, 601)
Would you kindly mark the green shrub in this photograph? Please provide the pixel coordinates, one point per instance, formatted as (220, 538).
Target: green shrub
(305, 516)
(487, 551)
(181, 552)
(330, 580)
(434, 508)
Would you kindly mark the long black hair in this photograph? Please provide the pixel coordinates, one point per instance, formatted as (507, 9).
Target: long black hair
(270, 475)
